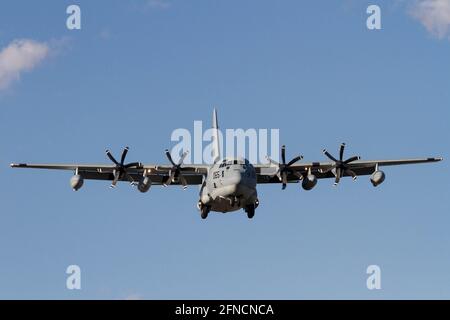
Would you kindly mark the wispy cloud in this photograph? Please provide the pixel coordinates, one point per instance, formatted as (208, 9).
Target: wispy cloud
(20, 56)
(105, 34)
(434, 15)
(161, 4)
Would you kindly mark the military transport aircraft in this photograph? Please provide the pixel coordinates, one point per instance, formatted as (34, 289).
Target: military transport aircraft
(228, 184)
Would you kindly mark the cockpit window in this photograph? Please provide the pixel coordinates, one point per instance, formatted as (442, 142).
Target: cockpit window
(229, 162)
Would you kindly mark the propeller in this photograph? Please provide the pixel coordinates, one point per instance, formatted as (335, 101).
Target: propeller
(175, 172)
(285, 168)
(341, 166)
(121, 169)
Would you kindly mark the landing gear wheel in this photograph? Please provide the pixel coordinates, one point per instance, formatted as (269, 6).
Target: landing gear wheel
(250, 211)
(204, 212)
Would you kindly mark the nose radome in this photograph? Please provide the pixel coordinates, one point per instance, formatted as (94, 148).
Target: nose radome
(236, 177)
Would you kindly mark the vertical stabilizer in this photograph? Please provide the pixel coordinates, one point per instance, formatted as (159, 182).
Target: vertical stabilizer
(215, 138)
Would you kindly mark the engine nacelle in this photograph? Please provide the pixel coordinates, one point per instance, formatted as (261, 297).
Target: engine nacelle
(377, 178)
(76, 182)
(145, 184)
(309, 182)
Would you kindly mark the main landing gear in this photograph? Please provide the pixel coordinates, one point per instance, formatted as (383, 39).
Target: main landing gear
(250, 209)
(204, 210)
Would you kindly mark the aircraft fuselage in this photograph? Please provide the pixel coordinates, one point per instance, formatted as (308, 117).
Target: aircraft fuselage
(229, 186)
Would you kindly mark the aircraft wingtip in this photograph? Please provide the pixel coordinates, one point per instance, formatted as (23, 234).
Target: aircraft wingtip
(18, 165)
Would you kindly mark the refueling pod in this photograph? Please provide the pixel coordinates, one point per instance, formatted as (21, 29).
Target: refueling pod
(144, 184)
(76, 182)
(309, 182)
(377, 178)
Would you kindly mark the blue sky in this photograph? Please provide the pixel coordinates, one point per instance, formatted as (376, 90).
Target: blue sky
(138, 70)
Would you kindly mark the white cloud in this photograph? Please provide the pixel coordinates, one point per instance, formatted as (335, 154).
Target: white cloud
(19, 56)
(434, 15)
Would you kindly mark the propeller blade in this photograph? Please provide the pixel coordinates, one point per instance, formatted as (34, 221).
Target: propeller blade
(341, 151)
(132, 164)
(279, 175)
(294, 160)
(329, 169)
(116, 178)
(130, 178)
(284, 179)
(338, 176)
(298, 175)
(182, 157)
(351, 173)
(169, 156)
(170, 179)
(110, 156)
(329, 155)
(352, 159)
(183, 181)
(124, 154)
(272, 161)
(283, 154)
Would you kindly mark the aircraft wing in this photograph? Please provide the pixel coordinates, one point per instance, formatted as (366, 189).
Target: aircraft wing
(157, 173)
(194, 174)
(267, 173)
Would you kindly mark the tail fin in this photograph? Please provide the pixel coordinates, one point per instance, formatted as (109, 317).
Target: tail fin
(215, 138)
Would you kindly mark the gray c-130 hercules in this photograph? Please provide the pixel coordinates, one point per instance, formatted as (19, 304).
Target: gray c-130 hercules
(228, 184)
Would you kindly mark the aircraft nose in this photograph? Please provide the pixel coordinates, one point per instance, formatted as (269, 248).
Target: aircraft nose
(236, 176)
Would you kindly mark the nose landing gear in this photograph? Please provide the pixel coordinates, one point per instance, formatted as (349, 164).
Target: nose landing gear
(235, 201)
